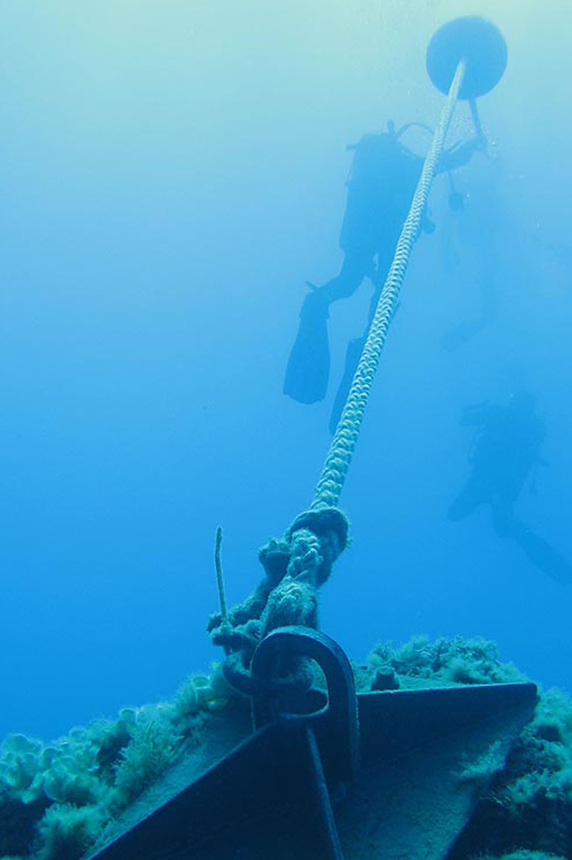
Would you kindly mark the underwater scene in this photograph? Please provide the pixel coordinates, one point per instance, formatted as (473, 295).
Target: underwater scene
(285, 352)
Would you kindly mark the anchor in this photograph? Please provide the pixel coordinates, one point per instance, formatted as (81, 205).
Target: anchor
(323, 772)
(375, 775)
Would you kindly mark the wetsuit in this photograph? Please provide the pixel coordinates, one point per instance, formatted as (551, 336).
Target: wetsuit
(380, 190)
(504, 453)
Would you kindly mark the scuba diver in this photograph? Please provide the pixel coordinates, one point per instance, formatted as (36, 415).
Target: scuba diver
(504, 454)
(383, 179)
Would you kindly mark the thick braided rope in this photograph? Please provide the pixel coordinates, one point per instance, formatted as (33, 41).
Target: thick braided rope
(329, 487)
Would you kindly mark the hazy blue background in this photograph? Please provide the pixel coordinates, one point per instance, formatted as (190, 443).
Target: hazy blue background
(170, 174)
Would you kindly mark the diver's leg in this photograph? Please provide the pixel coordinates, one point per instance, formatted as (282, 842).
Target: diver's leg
(353, 353)
(542, 555)
(471, 496)
(385, 255)
(378, 277)
(502, 513)
(355, 267)
(537, 550)
(308, 366)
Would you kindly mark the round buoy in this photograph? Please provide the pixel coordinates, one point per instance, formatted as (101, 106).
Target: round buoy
(476, 41)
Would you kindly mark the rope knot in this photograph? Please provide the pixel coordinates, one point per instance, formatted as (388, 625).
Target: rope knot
(295, 567)
(330, 526)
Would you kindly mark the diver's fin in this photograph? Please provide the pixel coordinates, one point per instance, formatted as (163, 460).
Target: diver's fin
(308, 367)
(544, 556)
(353, 354)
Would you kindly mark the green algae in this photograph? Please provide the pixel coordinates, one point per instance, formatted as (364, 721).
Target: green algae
(60, 801)
(78, 785)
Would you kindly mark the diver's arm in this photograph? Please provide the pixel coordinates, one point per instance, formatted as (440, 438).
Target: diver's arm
(460, 154)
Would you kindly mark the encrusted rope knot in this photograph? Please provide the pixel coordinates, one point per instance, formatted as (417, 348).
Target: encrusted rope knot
(330, 526)
(295, 566)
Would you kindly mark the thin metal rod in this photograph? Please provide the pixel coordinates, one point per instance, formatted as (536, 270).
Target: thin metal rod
(219, 576)
(476, 118)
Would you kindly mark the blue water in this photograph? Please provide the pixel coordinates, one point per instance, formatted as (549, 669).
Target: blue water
(170, 175)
